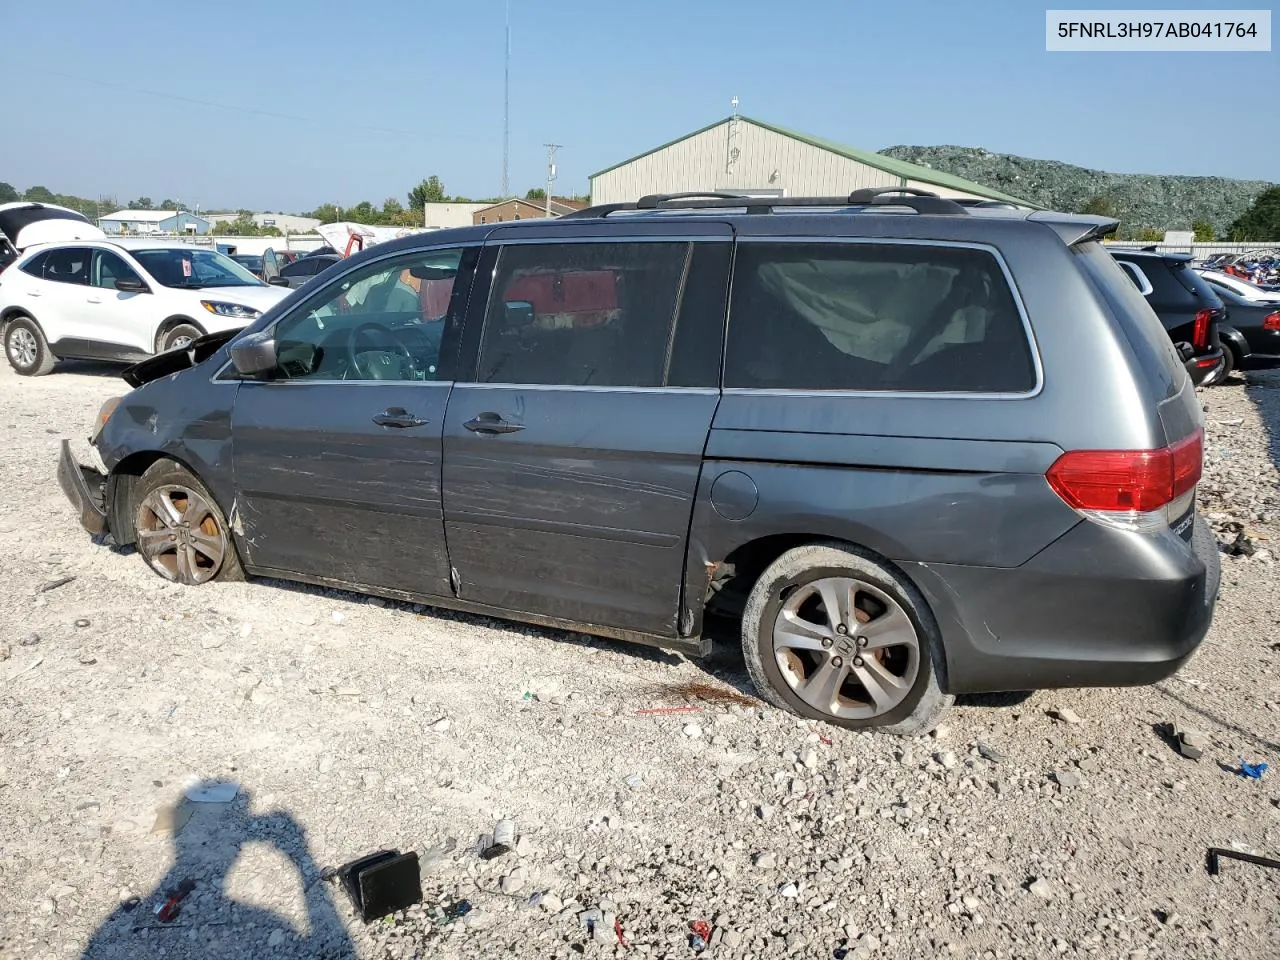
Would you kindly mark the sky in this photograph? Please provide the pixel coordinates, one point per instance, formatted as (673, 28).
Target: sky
(284, 106)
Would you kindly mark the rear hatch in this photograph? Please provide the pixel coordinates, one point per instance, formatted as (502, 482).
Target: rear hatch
(1204, 332)
(26, 224)
(1170, 390)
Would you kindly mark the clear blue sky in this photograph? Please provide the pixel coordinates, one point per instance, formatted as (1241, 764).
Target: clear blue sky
(374, 95)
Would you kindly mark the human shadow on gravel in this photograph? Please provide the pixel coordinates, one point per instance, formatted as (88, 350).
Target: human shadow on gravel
(208, 924)
(1263, 389)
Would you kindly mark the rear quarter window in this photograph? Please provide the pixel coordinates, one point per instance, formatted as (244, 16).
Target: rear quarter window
(875, 317)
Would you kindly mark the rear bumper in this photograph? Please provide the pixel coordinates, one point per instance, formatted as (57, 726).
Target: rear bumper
(84, 487)
(1097, 608)
(1204, 365)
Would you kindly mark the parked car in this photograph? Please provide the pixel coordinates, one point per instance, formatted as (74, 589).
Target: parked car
(1251, 337)
(322, 251)
(1187, 307)
(916, 450)
(24, 224)
(304, 269)
(250, 261)
(121, 300)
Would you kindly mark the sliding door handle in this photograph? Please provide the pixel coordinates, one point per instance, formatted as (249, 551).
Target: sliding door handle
(398, 417)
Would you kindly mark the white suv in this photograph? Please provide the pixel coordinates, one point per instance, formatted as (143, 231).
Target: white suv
(121, 300)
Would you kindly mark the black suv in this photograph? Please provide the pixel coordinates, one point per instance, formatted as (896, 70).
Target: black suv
(1187, 307)
(915, 448)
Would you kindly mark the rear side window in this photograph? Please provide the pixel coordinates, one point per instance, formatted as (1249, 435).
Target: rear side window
(1165, 288)
(35, 266)
(582, 314)
(69, 265)
(854, 316)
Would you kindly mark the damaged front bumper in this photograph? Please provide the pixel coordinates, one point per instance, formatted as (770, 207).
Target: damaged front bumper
(85, 487)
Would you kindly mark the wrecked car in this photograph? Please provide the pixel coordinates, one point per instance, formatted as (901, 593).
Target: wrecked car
(883, 443)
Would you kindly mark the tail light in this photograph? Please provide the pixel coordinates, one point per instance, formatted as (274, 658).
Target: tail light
(1130, 489)
(1271, 321)
(1200, 332)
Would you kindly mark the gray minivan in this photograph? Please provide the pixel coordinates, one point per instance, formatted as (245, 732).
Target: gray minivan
(916, 448)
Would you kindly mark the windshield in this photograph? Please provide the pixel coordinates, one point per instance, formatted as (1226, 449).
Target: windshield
(189, 269)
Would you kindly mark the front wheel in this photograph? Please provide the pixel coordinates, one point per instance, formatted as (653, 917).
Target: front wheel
(831, 634)
(181, 533)
(179, 336)
(26, 348)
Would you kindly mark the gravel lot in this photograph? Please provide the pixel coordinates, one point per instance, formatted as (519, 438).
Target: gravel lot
(354, 724)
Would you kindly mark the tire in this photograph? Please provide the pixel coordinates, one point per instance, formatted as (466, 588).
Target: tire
(26, 348)
(177, 336)
(179, 529)
(904, 670)
(1228, 367)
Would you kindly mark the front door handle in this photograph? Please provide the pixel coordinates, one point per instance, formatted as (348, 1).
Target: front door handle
(94, 300)
(492, 423)
(398, 417)
(32, 293)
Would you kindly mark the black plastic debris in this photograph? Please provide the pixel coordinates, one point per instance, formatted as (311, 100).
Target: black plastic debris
(381, 883)
(1215, 853)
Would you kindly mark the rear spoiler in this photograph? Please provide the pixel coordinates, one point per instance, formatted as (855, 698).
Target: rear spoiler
(1074, 228)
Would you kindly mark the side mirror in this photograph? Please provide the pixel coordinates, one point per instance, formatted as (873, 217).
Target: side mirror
(132, 285)
(279, 281)
(255, 355)
(519, 313)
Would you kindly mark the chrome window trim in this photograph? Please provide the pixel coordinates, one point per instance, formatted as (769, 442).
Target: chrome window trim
(584, 388)
(1027, 329)
(1139, 278)
(620, 238)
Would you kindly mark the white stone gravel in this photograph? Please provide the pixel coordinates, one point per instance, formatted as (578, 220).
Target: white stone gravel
(354, 725)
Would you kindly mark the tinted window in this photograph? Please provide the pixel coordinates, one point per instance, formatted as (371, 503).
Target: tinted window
(584, 314)
(35, 266)
(192, 267)
(1165, 290)
(300, 268)
(386, 320)
(108, 268)
(69, 265)
(699, 339)
(853, 316)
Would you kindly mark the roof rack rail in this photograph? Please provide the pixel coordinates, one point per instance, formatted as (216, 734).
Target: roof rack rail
(919, 200)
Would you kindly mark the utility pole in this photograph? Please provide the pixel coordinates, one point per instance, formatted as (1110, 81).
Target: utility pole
(551, 170)
(506, 112)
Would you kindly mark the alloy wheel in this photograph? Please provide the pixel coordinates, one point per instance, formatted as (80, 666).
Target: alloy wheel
(22, 347)
(845, 647)
(179, 535)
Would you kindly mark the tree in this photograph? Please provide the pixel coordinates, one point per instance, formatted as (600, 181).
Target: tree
(536, 193)
(173, 205)
(430, 190)
(1150, 235)
(391, 209)
(1204, 232)
(326, 213)
(8, 193)
(39, 195)
(1261, 221)
(142, 203)
(1099, 206)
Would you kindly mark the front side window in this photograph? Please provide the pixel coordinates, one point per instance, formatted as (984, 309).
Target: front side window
(393, 319)
(193, 268)
(108, 268)
(69, 265)
(582, 314)
(855, 316)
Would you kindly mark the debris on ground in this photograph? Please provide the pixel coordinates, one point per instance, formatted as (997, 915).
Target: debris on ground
(168, 909)
(1217, 853)
(1253, 771)
(55, 584)
(202, 792)
(1192, 743)
(1065, 715)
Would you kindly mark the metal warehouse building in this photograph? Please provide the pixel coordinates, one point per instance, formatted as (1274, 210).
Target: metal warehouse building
(742, 155)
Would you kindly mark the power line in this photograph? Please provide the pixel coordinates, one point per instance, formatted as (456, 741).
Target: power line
(236, 107)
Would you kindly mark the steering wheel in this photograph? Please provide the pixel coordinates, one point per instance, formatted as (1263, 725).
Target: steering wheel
(369, 327)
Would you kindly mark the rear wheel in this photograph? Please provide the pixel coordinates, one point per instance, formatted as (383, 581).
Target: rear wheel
(26, 348)
(180, 531)
(1229, 363)
(831, 634)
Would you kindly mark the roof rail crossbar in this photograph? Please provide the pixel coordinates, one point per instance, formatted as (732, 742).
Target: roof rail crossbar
(655, 200)
(918, 200)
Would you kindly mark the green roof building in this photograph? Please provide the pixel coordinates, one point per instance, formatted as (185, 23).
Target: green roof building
(742, 155)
